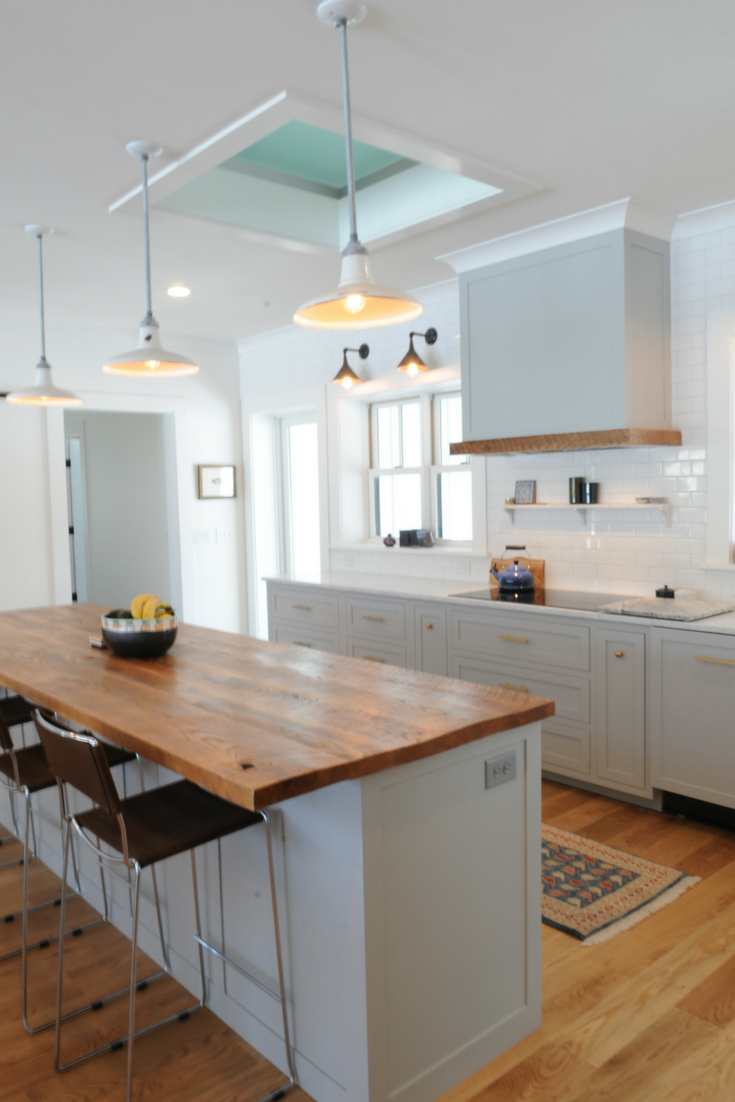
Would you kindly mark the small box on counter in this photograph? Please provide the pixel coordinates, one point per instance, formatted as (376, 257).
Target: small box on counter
(415, 537)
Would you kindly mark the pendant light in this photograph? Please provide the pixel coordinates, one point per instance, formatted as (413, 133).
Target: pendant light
(149, 359)
(412, 362)
(358, 302)
(44, 393)
(346, 377)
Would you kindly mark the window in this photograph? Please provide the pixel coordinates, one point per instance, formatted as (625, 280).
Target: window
(300, 465)
(415, 482)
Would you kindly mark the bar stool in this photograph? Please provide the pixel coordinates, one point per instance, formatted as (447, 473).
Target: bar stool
(143, 830)
(25, 772)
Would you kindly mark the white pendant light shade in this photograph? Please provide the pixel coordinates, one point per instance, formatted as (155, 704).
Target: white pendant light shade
(358, 302)
(150, 359)
(43, 392)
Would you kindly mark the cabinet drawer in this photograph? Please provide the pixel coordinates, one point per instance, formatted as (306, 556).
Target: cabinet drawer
(376, 619)
(520, 639)
(571, 694)
(319, 640)
(305, 606)
(565, 749)
(392, 654)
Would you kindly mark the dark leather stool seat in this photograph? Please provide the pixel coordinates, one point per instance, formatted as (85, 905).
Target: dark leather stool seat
(33, 771)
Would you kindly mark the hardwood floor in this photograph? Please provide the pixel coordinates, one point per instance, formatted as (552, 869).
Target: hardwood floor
(648, 1016)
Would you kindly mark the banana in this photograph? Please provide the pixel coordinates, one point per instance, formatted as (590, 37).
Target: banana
(137, 603)
(164, 610)
(149, 608)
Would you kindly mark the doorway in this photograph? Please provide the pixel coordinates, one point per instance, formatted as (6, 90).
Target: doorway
(122, 502)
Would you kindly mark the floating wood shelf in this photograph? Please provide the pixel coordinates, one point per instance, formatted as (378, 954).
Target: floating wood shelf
(582, 510)
(570, 441)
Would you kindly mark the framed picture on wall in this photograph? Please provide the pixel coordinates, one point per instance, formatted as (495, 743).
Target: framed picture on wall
(216, 481)
(525, 492)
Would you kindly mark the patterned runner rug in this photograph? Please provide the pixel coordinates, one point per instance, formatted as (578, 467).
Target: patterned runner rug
(593, 891)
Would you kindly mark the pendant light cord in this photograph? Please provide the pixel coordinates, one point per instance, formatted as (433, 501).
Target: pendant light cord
(146, 237)
(39, 238)
(348, 131)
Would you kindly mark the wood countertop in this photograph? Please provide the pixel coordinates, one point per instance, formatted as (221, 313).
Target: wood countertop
(252, 721)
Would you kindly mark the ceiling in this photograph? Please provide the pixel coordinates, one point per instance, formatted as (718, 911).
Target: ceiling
(593, 102)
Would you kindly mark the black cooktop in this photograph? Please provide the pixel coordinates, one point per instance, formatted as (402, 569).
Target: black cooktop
(550, 598)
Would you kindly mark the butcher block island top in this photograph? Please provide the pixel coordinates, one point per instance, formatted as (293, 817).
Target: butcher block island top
(252, 721)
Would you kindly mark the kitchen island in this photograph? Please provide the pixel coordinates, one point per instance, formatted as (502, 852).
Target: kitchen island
(409, 867)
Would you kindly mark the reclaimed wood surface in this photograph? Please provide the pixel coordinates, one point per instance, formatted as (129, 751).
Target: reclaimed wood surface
(569, 441)
(251, 721)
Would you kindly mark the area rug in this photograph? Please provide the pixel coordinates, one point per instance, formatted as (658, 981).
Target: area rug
(593, 891)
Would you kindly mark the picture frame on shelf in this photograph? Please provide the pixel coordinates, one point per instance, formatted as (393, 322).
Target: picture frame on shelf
(525, 493)
(216, 482)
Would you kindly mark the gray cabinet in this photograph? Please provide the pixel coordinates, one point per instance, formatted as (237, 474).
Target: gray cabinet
(430, 625)
(693, 714)
(573, 338)
(620, 721)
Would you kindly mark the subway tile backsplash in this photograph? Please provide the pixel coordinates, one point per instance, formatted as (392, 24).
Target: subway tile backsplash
(616, 551)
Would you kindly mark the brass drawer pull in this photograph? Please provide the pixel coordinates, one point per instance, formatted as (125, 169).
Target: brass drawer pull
(299, 643)
(618, 654)
(515, 688)
(305, 608)
(372, 658)
(514, 638)
(379, 619)
(719, 661)
(429, 627)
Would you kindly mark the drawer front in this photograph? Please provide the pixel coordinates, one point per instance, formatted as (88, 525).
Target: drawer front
(376, 619)
(693, 730)
(304, 606)
(392, 654)
(571, 694)
(319, 640)
(565, 749)
(519, 639)
(620, 693)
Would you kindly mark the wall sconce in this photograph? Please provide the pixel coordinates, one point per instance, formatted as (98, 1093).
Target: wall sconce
(346, 376)
(412, 362)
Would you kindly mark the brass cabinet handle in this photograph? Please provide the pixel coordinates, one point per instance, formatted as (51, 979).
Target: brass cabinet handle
(298, 643)
(372, 658)
(719, 661)
(515, 688)
(618, 654)
(514, 638)
(429, 627)
(378, 618)
(306, 608)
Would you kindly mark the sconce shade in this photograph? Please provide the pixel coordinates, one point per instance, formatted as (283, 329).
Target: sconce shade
(346, 377)
(412, 362)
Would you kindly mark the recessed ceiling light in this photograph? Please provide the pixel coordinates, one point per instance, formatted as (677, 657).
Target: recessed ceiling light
(179, 291)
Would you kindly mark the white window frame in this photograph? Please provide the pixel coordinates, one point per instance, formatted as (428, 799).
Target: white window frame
(284, 487)
(430, 436)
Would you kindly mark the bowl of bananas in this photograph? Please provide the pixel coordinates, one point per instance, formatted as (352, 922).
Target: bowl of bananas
(146, 630)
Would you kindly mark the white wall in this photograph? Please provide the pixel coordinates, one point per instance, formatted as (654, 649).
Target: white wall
(617, 551)
(32, 493)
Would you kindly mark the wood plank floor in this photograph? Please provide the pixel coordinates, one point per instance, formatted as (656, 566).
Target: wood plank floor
(648, 1016)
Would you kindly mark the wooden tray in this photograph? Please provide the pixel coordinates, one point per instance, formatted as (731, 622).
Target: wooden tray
(536, 566)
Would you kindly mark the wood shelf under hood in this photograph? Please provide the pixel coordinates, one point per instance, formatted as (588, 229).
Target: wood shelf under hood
(571, 441)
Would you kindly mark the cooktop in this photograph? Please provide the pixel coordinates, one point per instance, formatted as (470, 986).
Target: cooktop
(550, 598)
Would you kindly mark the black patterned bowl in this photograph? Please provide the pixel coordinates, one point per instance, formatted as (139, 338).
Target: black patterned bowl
(129, 638)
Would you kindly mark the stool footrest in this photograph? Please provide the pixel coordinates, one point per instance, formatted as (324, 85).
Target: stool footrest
(269, 990)
(96, 1005)
(121, 1041)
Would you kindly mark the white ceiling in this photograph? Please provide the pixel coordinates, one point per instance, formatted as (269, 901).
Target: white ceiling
(597, 102)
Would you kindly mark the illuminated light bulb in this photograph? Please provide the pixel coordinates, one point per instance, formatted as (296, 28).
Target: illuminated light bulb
(153, 364)
(412, 369)
(347, 383)
(178, 291)
(355, 303)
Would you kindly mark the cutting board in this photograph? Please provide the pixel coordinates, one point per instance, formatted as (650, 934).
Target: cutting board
(536, 566)
(662, 608)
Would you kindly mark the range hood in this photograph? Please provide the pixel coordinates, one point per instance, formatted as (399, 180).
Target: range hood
(568, 347)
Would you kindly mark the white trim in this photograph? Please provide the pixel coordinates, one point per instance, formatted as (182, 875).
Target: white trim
(704, 220)
(720, 438)
(56, 464)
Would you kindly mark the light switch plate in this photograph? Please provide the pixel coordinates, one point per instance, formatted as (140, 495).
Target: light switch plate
(202, 535)
(500, 769)
(225, 535)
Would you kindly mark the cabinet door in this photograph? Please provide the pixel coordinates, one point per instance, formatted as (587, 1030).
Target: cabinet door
(430, 623)
(620, 712)
(693, 714)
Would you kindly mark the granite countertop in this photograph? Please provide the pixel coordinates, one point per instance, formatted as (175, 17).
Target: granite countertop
(446, 590)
